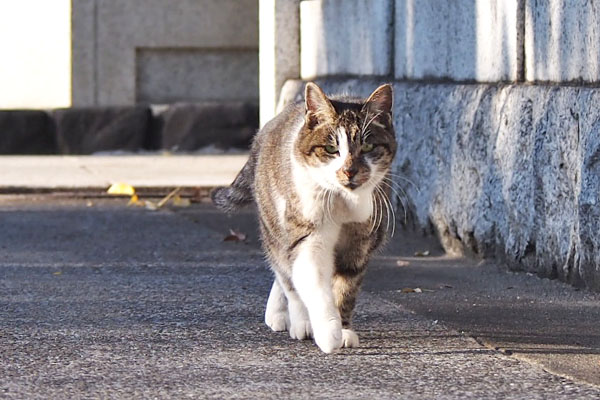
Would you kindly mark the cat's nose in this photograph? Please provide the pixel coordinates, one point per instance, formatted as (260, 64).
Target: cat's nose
(350, 172)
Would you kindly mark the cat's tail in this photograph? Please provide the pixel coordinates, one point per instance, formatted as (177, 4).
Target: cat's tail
(239, 194)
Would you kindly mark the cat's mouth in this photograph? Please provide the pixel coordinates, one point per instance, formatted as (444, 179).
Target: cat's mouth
(351, 185)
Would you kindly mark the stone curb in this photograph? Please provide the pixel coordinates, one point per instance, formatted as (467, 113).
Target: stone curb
(176, 127)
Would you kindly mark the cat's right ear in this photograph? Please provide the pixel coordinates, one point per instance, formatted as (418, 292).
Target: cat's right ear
(318, 106)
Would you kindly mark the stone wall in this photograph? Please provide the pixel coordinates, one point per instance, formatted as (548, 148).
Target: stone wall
(496, 113)
(161, 51)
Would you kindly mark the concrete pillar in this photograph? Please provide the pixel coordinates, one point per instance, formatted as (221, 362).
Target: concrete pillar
(279, 51)
(462, 40)
(346, 37)
(562, 41)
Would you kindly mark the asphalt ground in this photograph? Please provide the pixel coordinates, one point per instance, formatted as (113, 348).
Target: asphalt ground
(103, 300)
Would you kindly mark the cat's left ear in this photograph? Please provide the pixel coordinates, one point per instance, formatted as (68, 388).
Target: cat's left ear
(318, 106)
(380, 101)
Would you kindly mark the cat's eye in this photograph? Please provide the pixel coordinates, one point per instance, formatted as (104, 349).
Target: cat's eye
(367, 147)
(331, 149)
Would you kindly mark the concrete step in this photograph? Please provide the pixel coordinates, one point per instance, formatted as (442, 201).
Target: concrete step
(18, 173)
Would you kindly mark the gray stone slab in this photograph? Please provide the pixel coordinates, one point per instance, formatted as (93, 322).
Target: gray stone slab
(121, 27)
(27, 132)
(346, 37)
(90, 130)
(188, 127)
(83, 53)
(562, 41)
(192, 75)
(462, 40)
(510, 171)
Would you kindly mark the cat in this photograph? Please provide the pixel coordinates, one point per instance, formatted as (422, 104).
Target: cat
(318, 173)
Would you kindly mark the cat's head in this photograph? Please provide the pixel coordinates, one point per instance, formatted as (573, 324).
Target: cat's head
(347, 144)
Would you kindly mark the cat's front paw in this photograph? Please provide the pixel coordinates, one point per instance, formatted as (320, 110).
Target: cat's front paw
(328, 336)
(301, 330)
(277, 321)
(349, 338)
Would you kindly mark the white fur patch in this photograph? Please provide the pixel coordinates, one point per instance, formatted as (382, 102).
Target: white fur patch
(349, 338)
(276, 314)
(312, 273)
(280, 205)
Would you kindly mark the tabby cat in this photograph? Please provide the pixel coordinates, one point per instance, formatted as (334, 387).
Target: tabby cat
(317, 173)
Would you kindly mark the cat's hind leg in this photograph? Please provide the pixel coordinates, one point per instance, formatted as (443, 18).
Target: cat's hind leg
(285, 310)
(300, 326)
(276, 313)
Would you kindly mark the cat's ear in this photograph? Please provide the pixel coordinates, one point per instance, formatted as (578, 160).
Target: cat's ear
(318, 106)
(380, 101)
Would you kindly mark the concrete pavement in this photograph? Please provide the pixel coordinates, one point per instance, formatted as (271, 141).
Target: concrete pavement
(101, 300)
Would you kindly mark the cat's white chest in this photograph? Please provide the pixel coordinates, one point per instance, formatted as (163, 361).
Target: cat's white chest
(318, 203)
(327, 207)
(354, 208)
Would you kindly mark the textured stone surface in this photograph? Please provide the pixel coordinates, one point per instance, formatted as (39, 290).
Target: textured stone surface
(107, 34)
(279, 53)
(90, 130)
(189, 75)
(26, 132)
(346, 37)
(83, 53)
(458, 40)
(562, 40)
(511, 171)
(186, 127)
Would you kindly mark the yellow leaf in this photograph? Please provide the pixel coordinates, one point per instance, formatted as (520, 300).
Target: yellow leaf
(179, 201)
(134, 201)
(121, 188)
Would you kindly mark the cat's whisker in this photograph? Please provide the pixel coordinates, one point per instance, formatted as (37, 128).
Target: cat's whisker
(377, 212)
(321, 196)
(370, 121)
(393, 214)
(380, 206)
(386, 182)
(329, 195)
(373, 211)
(362, 129)
(390, 210)
(405, 179)
(384, 203)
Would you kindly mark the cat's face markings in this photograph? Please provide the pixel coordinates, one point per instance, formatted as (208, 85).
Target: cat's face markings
(347, 144)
